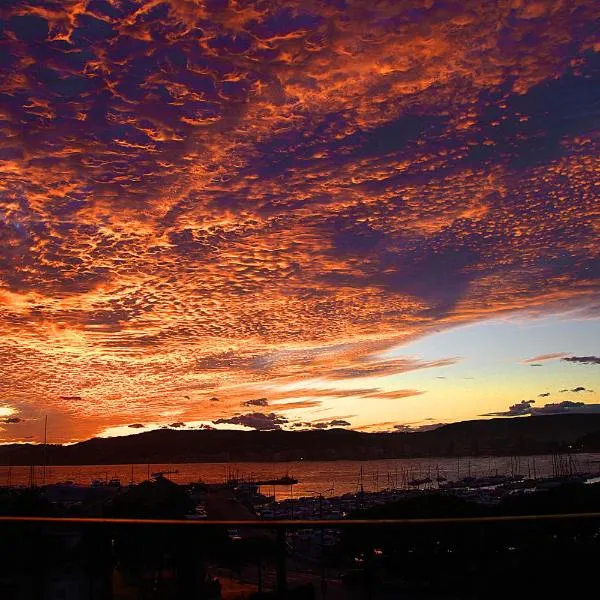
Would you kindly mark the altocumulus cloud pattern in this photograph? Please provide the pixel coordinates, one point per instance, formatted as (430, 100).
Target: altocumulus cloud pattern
(198, 195)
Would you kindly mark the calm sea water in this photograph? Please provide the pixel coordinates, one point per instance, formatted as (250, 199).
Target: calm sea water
(327, 477)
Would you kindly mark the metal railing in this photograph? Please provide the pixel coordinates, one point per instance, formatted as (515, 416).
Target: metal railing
(302, 523)
(281, 528)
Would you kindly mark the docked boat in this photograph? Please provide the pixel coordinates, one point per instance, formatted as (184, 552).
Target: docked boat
(198, 514)
(285, 480)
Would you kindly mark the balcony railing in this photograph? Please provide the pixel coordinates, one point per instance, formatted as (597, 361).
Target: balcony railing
(366, 534)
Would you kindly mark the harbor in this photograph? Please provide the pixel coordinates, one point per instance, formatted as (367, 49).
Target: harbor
(343, 476)
(237, 560)
(259, 494)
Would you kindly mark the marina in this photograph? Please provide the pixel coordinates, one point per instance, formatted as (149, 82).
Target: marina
(342, 477)
(255, 502)
(308, 491)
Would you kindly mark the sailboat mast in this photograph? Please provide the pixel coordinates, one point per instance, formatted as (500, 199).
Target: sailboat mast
(45, 450)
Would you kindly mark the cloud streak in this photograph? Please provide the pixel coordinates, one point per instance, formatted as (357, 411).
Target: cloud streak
(544, 357)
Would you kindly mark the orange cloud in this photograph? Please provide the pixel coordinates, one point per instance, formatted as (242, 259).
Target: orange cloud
(281, 197)
(545, 357)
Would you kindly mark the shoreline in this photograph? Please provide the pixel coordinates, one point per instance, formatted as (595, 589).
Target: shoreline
(299, 460)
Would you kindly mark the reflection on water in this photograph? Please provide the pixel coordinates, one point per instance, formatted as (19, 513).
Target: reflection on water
(338, 477)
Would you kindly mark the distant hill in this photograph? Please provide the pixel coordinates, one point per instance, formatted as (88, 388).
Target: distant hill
(525, 435)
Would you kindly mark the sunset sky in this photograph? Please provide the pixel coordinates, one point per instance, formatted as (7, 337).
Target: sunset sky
(376, 214)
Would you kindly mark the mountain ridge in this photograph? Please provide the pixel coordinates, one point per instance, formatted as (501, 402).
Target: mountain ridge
(499, 436)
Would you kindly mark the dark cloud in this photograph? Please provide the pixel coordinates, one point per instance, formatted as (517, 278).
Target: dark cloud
(213, 399)
(404, 428)
(580, 388)
(177, 424)
(544, 395)
(256, 420)
(556, 408)
(71, 398)
(516, 410)
(256, 402)
(536, 365)
(327, 424)
(136, 426)
(583, 360)
(567, 406)
(11, 420)
(411, 428)
(339, 423)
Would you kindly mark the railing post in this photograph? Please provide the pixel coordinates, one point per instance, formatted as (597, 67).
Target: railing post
(323, 568)
(369, 567)
(281, 563)
(259, 567)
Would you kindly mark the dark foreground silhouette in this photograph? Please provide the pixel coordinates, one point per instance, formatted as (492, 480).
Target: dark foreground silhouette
(516, 560)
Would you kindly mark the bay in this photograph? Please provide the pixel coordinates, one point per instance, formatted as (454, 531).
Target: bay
(314, 477)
